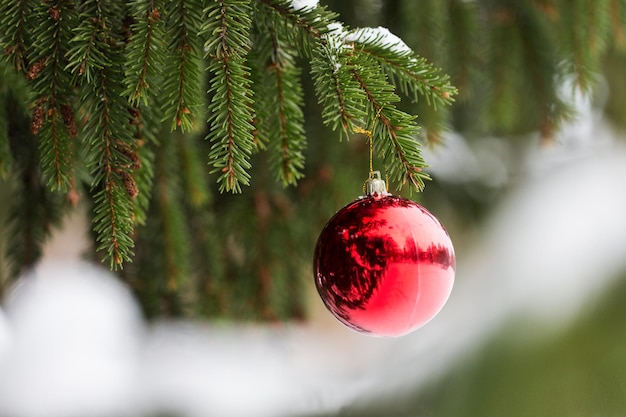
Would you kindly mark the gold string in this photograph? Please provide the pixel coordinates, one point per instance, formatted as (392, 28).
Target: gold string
(369, 134)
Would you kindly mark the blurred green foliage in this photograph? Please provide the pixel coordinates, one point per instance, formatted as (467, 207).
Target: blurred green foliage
(577, 371)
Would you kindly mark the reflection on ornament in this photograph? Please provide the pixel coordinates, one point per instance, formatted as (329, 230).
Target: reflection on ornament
(384, 265)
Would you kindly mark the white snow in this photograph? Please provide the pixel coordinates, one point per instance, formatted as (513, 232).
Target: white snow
(5, 335)
(335, 37)
(304, 5)
(335, 29)
(75, 344)
(380, 35)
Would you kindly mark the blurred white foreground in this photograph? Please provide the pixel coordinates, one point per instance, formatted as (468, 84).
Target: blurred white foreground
(72, 342)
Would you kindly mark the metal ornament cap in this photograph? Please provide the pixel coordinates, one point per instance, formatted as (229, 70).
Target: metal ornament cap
(375, 186)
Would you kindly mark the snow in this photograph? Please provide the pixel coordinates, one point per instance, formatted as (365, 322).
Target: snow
(335, 29)
(5, 335)
(303, 5)
(379, 35)
(74, 347)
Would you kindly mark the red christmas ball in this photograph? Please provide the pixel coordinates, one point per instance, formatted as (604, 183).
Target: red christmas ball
(384, 265)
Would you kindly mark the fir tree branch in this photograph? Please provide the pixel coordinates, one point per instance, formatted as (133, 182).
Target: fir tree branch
(141, 157)
(304, 20)
(586, 25)
(97, 64)
(411, 73)
(303, 28)
(339, 94)
(231, 124)
(34, 209)
(343, 88)
(278, 104)
(227, 26)
(182, 74)
(230, 114)
(87, 53)
(143, 57)
(113, 186)
(289, 160)
(15, 39)
(53, 117)
(395, 132)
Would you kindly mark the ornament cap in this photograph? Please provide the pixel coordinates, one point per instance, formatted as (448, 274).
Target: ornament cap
(375, 186)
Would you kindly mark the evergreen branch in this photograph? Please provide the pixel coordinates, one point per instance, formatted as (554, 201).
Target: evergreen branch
(278, 107)
(141, 157)
(227, 25)
(56, 150)
(289, 160)
(587, 27)
(182, 72)
(339, 94)
(33, 209)
(231, 123)
(553, 110)
(302, 19)
(411, 73)
(111, 150)
(114, 187)
(259, 59)
(505, 78)
(304, 28)
(15, 37)
(230, 108)
(395, 131)
(111, 215)
(53, 117)
(87, 53)
(143, 57)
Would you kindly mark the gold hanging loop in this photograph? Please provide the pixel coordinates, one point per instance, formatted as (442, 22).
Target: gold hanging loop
(373, 175)
(369, 134)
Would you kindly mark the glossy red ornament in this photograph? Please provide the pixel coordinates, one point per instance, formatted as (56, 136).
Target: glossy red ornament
(384, 265)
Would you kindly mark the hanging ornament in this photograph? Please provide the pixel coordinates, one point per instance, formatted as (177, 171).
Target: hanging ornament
(383, 264)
